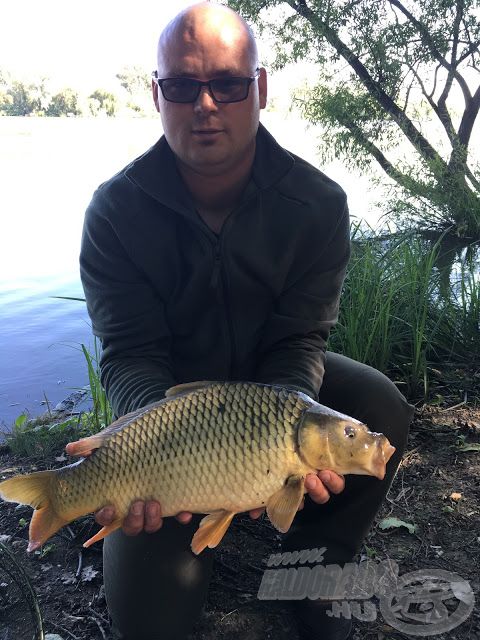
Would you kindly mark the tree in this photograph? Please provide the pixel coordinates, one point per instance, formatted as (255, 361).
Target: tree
(136, 83)
(392, 72)
(102, 101)
(64, 103)
(21, 100)
(134, 80)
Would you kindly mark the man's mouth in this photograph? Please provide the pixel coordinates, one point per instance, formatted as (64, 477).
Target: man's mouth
(206, 132)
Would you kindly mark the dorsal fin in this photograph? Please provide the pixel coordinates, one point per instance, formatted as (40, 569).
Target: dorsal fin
(179, 389)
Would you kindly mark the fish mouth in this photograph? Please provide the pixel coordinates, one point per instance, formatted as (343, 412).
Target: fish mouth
(384, 451)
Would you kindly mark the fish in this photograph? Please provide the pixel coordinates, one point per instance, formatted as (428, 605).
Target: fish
(213, 448)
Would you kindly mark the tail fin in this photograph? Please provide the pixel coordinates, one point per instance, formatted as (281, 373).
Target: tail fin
(35, 490)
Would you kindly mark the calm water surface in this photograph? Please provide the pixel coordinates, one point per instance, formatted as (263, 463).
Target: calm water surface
(49, 168)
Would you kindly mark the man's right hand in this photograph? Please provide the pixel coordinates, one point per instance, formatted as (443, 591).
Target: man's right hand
(142, 516)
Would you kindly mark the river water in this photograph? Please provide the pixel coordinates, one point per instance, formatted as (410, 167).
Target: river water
(49, 168)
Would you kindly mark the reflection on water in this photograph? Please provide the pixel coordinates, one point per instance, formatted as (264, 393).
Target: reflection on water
(50, 168)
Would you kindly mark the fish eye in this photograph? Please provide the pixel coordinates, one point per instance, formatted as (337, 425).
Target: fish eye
(350, 432)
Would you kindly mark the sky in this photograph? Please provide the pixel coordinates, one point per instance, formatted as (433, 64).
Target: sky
(83, 43)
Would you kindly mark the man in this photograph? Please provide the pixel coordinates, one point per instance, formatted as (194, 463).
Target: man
(219, 255)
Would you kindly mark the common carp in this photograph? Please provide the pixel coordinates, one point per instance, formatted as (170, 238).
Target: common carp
(218, 448)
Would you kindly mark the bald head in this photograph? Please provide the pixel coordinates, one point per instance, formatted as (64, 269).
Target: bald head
(209, 136)
(223, 28)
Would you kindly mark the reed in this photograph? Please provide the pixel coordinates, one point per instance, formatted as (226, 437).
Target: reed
(101, 413)
(397, 316)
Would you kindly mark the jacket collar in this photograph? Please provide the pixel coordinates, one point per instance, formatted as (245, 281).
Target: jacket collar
(155, 172)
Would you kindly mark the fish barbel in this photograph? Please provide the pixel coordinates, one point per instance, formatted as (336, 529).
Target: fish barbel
(217, 448)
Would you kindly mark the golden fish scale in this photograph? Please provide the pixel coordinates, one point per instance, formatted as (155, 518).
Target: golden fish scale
(227, 446)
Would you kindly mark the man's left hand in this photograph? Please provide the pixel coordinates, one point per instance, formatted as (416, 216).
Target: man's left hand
(319, 486)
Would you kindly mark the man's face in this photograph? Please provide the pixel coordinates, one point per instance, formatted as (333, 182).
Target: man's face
(210, 137)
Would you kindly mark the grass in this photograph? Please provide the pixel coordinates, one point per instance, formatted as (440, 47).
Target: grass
(42, 437)
(397, 316)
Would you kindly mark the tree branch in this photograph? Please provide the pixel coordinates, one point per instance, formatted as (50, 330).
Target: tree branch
(442, 114)
(456, 32)
(468, 119)
(442, 101)
(400, 178)
(473, 46)
(472, 178)
(415, 137)
(428, 40)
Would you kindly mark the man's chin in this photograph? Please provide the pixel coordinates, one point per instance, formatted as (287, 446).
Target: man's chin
(210, 160)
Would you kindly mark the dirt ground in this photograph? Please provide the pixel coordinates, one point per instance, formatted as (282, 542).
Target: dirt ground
(437, 489)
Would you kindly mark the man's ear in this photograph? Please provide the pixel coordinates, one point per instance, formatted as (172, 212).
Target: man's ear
(262, 88)
(155, 89)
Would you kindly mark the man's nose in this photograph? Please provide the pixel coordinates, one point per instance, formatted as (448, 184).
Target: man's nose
(205, 101)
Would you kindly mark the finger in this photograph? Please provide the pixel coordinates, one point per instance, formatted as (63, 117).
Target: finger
(256, 513)
(77, 449)
(105, 516)
(334, 482)
(153, 516)
(184, 517)
(135, 520)
(316, 489)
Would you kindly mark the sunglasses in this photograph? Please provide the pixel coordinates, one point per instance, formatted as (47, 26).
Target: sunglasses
(228, 89)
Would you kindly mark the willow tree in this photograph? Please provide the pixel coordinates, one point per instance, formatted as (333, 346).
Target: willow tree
(398, 84)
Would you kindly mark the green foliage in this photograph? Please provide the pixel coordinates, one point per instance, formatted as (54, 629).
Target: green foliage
(399, 314)
(102, 102)
(390, 74)
(20, 99)
(64, 103)
(134, 80)
(101, 414)
(42, 437)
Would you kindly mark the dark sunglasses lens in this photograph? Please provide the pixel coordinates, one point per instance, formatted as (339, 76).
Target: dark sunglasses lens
(180, 89)
(230, 89)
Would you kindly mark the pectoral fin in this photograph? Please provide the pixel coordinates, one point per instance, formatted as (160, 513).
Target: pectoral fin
(211, 530)
(283, 505)
(104, 531)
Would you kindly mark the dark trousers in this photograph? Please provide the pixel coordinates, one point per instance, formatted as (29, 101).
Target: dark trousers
(156, 587)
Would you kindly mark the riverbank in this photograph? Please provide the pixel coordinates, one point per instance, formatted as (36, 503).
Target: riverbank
(437, 490)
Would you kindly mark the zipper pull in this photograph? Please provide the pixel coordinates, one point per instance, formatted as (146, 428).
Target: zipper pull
(216, 268)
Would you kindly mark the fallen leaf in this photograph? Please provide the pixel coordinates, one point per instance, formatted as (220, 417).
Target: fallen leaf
(68, 577)
(393, 523)
(474, 446)
(88, 573)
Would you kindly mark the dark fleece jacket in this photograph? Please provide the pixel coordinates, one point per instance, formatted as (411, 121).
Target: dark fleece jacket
(173, 302)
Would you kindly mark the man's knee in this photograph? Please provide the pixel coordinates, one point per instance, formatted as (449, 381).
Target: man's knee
(368, 395)
(384, 408)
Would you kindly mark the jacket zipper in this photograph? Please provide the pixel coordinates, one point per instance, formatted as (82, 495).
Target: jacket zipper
(219, 277)
(219, 282)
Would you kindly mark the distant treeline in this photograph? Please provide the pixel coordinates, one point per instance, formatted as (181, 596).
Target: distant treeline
(21, 98)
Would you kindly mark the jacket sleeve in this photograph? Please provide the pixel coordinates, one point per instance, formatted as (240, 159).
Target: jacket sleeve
(292, 351)
(126, 315)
